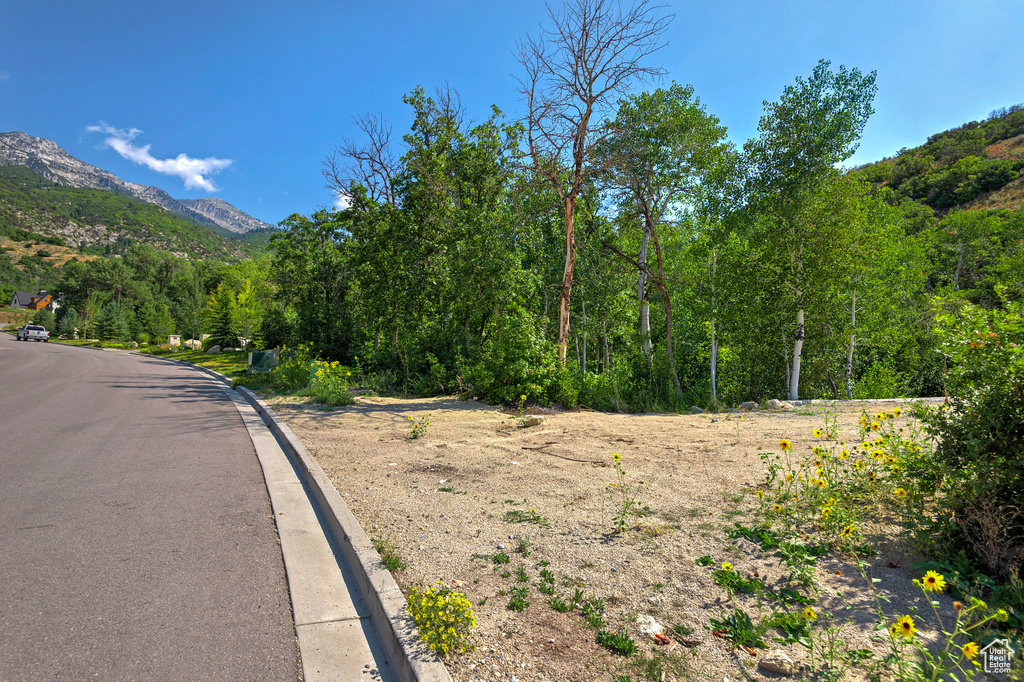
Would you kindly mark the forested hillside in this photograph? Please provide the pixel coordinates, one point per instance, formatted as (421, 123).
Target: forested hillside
(99, 222)
(975, 165)
(43, 226)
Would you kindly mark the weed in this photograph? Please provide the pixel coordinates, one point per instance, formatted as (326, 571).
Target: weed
(559, 605)
(419, 427)
(518, 601)
(520, 516)
(523, 546)
(521, 575)
(592, 611)
(739, 629)
(628, 496)
(501, 558)
(617, 642)
(389, 554)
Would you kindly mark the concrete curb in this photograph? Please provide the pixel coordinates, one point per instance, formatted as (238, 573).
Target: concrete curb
(413, 662)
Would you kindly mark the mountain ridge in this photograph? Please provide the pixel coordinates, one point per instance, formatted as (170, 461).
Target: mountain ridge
(51, 161)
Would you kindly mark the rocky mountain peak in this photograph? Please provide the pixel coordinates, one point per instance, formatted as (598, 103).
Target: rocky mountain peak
(48, 159)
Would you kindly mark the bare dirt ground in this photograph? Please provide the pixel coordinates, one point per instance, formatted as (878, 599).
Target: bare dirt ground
(448, 502)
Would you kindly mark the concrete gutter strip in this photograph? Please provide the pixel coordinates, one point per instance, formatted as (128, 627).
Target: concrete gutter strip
(412, 661)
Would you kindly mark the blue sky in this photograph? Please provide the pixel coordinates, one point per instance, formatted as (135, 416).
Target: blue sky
(243, 100)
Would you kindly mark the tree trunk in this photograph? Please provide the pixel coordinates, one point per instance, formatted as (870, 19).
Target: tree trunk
(849, 351)
(667, 300)
(576, 337)
(566, 292)
(714, 365)
(607, 353)
(641, 287)
(465, 331)
(798, 344)
(584, 337)
(714, 339)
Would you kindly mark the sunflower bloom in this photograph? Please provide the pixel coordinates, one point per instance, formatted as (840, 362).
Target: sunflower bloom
(760, 494)
(786, 444)
(776, 507)
(726, 566)
(817, 433)
(934, 582)
(616, 457)
(900, 493)
(809, 614)
(971, 650)
(904, 626)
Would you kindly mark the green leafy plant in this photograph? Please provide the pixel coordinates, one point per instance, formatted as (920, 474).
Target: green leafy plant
(592, 611)
(626, 495)
(329, 384)
(389, 555)
(445, 618)
(617, 642)
(501, 558)
(518, 601)
(739, 629)
(559, 605)
(419, 427)
(521, 516)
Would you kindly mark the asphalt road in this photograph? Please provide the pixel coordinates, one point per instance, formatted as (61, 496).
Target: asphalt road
(136, 535)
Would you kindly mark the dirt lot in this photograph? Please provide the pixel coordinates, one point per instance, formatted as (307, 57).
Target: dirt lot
(448, 502)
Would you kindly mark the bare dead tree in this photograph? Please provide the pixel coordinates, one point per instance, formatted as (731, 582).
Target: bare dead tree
(591, 54)
(372, 164)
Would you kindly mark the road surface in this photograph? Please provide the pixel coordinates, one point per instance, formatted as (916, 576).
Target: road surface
(136, 536)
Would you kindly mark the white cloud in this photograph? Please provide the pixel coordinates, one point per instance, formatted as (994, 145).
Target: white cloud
(4, 76)
(192, 171)
(341, 202)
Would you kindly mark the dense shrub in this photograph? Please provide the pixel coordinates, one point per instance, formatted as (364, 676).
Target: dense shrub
(516, 361)
(979, 436)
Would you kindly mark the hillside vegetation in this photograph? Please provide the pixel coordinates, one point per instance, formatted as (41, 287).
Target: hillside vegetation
(100, 222)
(977, 165)
(44, 226)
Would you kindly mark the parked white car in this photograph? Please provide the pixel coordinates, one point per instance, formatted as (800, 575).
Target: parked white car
(34, 332)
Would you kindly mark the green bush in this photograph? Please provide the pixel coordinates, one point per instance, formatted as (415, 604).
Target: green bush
(979, 436)
(329, 384)
(516, 361)
(881, 380)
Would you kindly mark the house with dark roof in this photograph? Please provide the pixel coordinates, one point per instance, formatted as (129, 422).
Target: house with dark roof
(27, 301)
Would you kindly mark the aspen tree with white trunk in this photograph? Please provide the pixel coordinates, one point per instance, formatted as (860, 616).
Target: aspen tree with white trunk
(668, 154)
(815, 125)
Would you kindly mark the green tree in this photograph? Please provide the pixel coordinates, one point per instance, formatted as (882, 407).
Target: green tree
(222, 317)
(68, 324)
(667, 158)
(815, 125)
(574, 70)
(111, 324)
